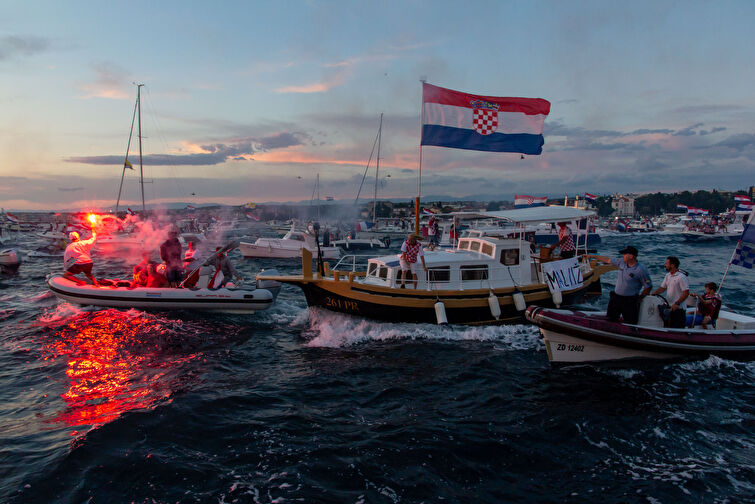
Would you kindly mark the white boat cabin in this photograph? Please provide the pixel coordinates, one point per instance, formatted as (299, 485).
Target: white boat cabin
(477, 263)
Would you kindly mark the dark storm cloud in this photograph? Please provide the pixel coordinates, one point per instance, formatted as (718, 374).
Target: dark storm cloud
(215, 153)
(70, 189)
(688, 131)
(14, 46)
(738, 142)
(664, 131)
(714, 130)
(559, 129)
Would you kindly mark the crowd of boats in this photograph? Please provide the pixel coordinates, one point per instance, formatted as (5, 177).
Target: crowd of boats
(487, 268)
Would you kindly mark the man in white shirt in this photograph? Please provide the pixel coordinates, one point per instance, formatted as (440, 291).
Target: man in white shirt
(675, 282)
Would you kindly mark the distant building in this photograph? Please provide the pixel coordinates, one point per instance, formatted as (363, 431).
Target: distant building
(623, 205)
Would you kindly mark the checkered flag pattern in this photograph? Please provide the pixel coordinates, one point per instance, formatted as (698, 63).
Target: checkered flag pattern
(744, 255)
(485, 121)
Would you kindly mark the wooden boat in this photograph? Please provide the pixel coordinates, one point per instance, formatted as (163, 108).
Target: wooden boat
(483, 281)
(580, 336)
(258, 297)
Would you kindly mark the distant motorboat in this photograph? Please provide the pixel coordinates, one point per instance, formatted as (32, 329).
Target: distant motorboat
(288, 247)
(10, 260)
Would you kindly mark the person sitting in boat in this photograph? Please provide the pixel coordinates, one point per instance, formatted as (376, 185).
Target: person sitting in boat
(624, 300)
(675, 282)
(77, 258)
(223, 264)
(410, 250)
(565, 241)
(708, 306)
(170, 252)
(156, 276)
(141, 270)
(189, 258)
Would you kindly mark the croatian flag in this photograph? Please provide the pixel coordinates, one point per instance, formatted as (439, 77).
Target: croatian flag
(739, 198)
(591, 197)
(744, 255)
(191, 208)
(681, 207)
(694, 211)
(12, 218)
(363, 225)
(745, 206)
(250, 215)
(621, 225)
(425, 211)
(486, 123)
(521, 201)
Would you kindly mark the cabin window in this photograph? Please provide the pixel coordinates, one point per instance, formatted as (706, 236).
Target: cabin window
(475, 246)
(464, 245)
(487, 249)
(439, 274)
(371, 269)
(474, 272)
(383, 272)
(510, 257)
(297, 237)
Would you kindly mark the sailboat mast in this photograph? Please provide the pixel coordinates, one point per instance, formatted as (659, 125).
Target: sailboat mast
(419, 173)
(126, 163)
(377, 171)
(141, 166)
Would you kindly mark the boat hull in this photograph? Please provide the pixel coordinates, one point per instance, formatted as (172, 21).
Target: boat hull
(418, 306)
(144, 298)
(251, 250)
(573, 336)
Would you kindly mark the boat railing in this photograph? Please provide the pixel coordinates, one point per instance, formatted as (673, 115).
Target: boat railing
(351, 263)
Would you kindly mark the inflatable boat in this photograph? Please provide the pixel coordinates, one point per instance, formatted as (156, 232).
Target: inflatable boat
(245, 299)
(581, 336)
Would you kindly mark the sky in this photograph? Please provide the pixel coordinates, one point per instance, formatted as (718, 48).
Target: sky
(251, 101)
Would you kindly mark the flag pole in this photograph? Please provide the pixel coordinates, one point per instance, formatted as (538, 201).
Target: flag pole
(739, 242)
(419, 175)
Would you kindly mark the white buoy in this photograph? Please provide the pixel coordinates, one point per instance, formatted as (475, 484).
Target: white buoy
(519, 301)
(440, 313)
(557, 298)
(495, 308)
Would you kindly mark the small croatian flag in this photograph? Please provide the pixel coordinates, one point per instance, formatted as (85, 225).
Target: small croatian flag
(744, 255)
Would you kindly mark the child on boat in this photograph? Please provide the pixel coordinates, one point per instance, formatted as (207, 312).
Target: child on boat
(708, 306)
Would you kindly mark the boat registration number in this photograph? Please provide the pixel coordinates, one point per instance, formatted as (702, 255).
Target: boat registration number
(341, 304)
(563, 347)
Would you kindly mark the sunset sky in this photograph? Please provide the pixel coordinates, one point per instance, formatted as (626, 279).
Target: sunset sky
(249, 101)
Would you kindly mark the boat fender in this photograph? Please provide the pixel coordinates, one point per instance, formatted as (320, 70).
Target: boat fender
(519, 301)
(495, 308)
(557, 298)
(440, 313)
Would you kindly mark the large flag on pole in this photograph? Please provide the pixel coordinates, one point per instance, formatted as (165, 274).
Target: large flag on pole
(591, 198)
(744, 255)
(487, 123)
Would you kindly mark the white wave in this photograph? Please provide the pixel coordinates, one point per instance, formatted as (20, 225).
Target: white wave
(335, 330)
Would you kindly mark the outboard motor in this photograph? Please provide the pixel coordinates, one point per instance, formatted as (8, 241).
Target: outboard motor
(272, 285)
(650, 311)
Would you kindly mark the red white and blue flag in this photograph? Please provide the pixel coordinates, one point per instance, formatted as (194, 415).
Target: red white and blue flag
(487, 123)
(250, 215)
(591, 197)
(744, 254)
(522, 201)
(681, 207)
(739, 198)
(12, 218)
(191, 208)
(696, 211)
(425, 211)
(745, 206)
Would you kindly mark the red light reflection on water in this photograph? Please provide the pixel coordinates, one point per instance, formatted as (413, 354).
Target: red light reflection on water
(115, 363)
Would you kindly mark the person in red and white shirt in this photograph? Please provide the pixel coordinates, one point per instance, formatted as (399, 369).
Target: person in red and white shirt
(411, 249)
(77, 258)
(565, 241)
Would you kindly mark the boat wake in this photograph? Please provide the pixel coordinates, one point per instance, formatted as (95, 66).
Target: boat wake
(334, 330)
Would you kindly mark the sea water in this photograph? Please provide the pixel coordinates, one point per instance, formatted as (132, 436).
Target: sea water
(292, 405)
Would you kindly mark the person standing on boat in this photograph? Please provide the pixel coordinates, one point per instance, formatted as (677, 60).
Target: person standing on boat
(678, 291)
(633, 283)
(171, 253)
(410, 250)
(565, 241)
(77, 258)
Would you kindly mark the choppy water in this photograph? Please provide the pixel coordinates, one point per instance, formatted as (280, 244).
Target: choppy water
(293, 406)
